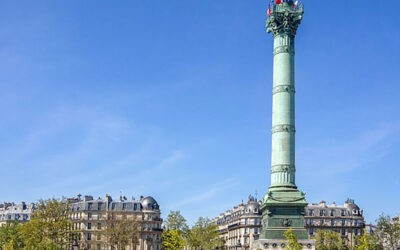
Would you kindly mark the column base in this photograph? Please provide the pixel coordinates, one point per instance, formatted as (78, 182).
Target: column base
(263, 244)
(283, 209)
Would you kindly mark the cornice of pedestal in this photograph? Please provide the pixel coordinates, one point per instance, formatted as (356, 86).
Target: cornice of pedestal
(284, 19)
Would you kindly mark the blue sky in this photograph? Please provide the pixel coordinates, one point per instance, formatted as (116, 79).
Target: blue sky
(173, 99)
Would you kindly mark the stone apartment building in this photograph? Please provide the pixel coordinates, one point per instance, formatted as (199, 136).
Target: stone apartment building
(10, 212)
(88, 215)
(240, 226)
(346, 219)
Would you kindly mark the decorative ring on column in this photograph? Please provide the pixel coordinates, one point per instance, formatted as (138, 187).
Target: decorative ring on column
(284, 49)
(283, 128)
(283, 88)
(278, 168)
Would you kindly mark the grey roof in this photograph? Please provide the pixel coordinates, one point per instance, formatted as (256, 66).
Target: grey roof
(149, 203)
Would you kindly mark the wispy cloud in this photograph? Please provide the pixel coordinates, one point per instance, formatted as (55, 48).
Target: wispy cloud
(205, 195)
(337, 157)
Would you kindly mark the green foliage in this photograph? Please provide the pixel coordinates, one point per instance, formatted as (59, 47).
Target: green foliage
(49, 227)
(389, 232)
(10, 237)
(172, 239)
(204, 235)
(292, 243)
(327, 240)
(175, 221)
(367, 242)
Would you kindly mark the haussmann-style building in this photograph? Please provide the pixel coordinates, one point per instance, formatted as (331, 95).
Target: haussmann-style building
(240, 226)
(346, 219)
(11, 212)
(89, 215)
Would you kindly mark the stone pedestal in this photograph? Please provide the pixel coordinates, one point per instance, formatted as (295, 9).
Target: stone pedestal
(283, 210)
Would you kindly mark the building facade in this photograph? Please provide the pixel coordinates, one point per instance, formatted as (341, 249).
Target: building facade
(89, 216)
(11, 212)
(240, 226)
(346, 219)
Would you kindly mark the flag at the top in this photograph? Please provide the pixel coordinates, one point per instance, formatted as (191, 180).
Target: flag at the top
(269, 10)
(278, 1)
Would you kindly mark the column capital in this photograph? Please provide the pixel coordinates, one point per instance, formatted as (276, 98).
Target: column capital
(284, 19)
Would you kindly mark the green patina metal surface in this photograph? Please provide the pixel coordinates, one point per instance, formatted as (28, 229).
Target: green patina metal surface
(283, 205)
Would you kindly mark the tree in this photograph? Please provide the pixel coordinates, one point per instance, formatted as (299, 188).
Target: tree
(292, 243)
(120, 231)
(172, 239)
(367, 242)
(175, 231)
(49, 227)
(10, 236)
(388, 232)
(327, 240)
(175, 221)
(204, 235)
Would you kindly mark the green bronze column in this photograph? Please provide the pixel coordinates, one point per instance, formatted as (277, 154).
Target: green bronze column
(284, 205)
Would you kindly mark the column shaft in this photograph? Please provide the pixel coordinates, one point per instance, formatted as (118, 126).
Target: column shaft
(283, 113)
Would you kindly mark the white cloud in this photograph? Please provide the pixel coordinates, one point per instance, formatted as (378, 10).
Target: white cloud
(205, 195)
(337, 157)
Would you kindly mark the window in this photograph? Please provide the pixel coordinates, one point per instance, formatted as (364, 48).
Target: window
(89, 216)
(124, 206)
(356, 231)
(311, 221)
(90, 206)
(98, 236)
(246, 221)
(311, 231)
(332, 222)
(89, 236)
(135, 206)
(98, 247)
(343, 232)
(321, 212)
(99, 226)
(89, 225)
(99, 206)
(113, 206)
(310, 212)
(343, 222)
(355, 222)
(332, 212)
(343, 212)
